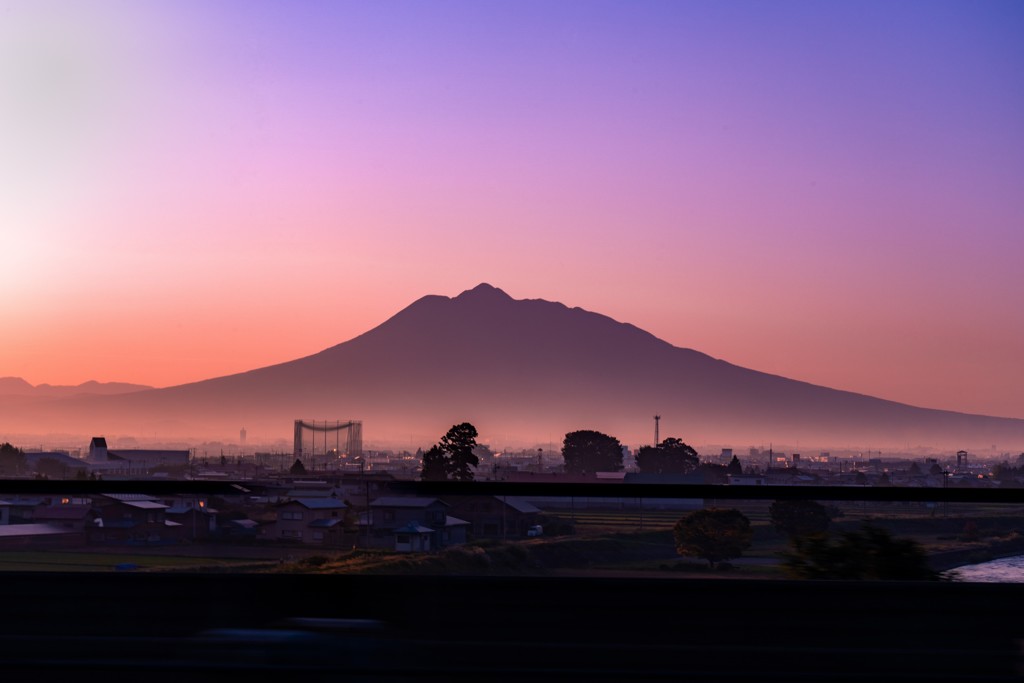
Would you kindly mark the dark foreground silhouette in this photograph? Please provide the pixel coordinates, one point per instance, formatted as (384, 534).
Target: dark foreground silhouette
(223, 627)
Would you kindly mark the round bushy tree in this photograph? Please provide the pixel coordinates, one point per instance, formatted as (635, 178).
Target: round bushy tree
(587, 452)
(799, 517)
(715, 534)
(671, 456)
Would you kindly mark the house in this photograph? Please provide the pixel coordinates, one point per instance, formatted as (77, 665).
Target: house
(747, 480)
(197, 519)
(413, 538)
(361, 488)
(239, 529)
(132, 519)
(398, 522)
(22, 510)
(75, 517)
(323, 490)
(315, 521)
(504, 517)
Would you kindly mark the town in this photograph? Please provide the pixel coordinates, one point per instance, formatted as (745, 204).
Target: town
(329, 493)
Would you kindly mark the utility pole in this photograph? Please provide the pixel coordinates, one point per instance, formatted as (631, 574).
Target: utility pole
(366, 488)
(945, 485)
(657, 418)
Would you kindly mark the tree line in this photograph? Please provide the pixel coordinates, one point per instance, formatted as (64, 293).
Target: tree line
(871, 553)
(584, 452)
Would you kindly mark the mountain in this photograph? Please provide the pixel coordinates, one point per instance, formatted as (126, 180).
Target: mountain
(16, 386)
(526, 372)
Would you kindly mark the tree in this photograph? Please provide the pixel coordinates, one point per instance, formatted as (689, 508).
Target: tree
(871, 554)
(671, 456)
(435, 465)
(12, 459)
(453, 457)
(799, 517)
(713, 473)
(51, 468)
(484, 454)
(459, 443)
(587, 452)
(297, 467)
(1006, 474)
(714, 534)
(734, 466)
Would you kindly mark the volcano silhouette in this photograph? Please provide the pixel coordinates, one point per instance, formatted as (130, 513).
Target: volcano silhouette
(522, 371)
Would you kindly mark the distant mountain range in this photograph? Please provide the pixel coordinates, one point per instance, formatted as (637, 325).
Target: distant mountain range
(524, 372)
(16, 386)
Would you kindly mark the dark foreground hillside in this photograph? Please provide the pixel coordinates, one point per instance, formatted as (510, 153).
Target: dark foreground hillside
(223, 627)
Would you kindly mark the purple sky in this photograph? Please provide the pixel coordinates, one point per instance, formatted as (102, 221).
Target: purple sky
(828, 191)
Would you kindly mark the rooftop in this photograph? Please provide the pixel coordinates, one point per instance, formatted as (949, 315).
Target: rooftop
(405, 502)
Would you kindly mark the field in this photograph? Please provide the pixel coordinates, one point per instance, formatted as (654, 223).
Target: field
(50, 561)
(197, 559)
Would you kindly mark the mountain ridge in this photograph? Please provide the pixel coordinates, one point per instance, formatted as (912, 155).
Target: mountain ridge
(18, 386)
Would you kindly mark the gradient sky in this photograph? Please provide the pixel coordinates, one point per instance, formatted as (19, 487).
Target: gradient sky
(832, 192)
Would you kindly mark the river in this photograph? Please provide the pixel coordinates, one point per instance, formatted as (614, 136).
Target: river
(1004, 570)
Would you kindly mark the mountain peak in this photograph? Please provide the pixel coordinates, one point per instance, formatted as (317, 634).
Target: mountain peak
(14, 385)
(483, 292)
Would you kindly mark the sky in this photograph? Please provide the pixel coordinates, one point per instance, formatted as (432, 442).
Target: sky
(832, 192)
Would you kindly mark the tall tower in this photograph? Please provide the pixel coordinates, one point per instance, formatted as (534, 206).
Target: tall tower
(657, 418)
(961, 460)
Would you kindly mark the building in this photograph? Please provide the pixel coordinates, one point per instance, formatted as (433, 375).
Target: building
(132, 519)
(748, 480)
(409, 523)
(55, 464)
(495, 517)
(74, 517)
(133, 462)
(314, 521)
(197, 519)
